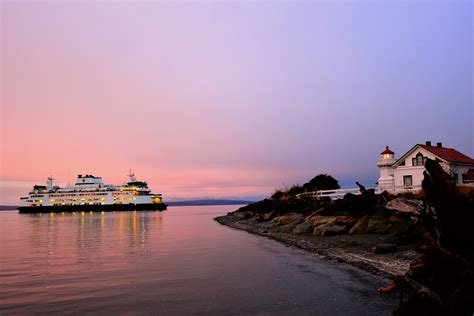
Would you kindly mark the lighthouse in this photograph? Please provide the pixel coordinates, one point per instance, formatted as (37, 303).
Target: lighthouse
(385, 164)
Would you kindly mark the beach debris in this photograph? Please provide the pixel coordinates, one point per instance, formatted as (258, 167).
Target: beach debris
(405, 205)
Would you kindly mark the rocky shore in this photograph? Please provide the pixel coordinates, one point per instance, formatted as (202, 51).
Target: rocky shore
(378, 252)
(423, 242)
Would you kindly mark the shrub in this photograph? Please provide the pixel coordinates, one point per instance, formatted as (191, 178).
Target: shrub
(321, 182)
(296, 189)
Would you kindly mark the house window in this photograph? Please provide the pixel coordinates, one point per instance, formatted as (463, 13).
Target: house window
(407, 181)
(419, 160)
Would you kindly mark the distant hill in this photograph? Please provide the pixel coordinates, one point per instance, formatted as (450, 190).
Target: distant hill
(209, 202)
(8, 207)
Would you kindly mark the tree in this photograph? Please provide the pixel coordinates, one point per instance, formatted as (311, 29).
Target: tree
(322, 182)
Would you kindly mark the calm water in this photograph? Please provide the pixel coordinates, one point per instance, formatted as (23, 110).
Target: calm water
(175, 262)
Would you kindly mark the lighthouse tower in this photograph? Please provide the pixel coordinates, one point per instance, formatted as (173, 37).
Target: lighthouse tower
(385, 163)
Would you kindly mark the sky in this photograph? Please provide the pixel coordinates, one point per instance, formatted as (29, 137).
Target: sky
(228, 99)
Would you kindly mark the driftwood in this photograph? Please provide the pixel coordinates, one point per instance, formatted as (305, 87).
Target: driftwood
(441, 281)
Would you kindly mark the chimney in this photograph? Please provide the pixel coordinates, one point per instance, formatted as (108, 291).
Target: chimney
(428, 143)
(439, 145)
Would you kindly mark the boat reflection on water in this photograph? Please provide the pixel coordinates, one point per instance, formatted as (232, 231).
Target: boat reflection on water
(90, 235)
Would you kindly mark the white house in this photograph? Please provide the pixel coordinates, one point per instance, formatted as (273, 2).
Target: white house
(406, 173)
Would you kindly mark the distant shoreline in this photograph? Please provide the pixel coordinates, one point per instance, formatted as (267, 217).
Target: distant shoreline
(208, 202)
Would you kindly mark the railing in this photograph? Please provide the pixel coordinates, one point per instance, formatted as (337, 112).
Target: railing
(406, 189)
(333, 194)
(339, 193)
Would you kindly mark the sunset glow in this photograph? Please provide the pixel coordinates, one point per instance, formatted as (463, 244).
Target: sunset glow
(227, 99)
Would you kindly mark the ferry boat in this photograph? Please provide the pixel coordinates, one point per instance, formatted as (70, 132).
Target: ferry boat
(89, 193)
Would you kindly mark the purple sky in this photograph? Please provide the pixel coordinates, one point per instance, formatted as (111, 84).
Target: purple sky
(228, 99)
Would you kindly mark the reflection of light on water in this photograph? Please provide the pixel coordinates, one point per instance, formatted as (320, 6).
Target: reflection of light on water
(62, 238)
(134, 225)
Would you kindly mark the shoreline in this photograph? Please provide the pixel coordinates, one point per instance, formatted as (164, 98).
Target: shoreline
(355, 250)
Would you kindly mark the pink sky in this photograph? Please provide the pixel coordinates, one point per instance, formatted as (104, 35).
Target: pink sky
(226, 100)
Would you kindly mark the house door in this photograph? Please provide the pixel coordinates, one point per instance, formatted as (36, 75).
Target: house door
(407, 181)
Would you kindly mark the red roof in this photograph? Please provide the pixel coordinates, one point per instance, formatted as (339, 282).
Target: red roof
(449, 154)
(387, 151)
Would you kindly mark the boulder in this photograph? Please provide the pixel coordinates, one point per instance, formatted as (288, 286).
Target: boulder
(336, 230)
(290, 218)
(360, 226)
(324, 220)
(269, 216)
(377, 225)
(402, 233)
(329, 230)
(319, 219)
(303, 228)
(331, 225)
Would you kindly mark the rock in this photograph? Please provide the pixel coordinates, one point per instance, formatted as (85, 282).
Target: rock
(245, 215)
(335, 230)
(341, 219)
(269, 216)
(404, 205)
(290, 218)
(331, 225)
(395, 219)
(384, 248)
(377, 226)
(402, 233)
(322, 220)
(401, 228)
(360, 226)
(319, 230)
(344, 219)
(303, 228)
(329, 230)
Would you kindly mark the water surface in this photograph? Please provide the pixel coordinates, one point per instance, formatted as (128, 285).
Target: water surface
(175, 262)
